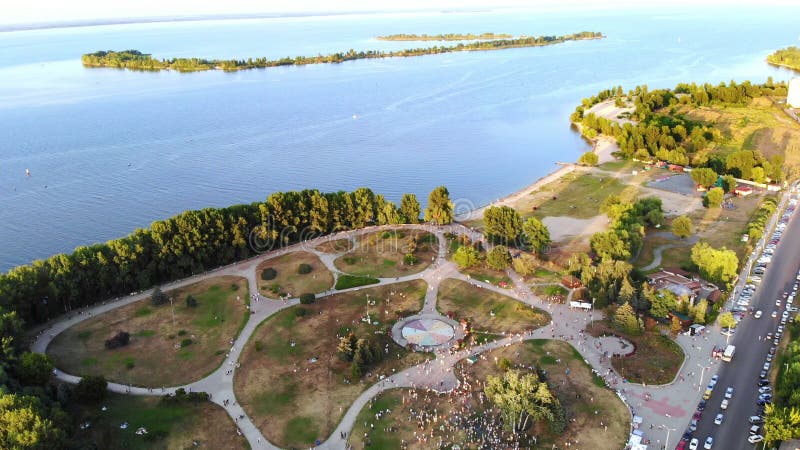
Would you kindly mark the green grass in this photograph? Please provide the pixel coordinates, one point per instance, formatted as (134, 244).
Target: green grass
(141, 312)
(168, 425)
(303, 429)
(351, 281)
(577, 196)
(487, 275)
(379, 437)
(145, 333)
(489, 311)
(268, 402)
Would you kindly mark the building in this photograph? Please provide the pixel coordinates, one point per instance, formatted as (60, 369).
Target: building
(676, 283)
(743, 191)
(793, 99)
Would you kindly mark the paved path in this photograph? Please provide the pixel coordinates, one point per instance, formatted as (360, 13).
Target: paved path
(668, 402)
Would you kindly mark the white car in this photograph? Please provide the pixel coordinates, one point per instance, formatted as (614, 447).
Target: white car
(694, 444)
(729, 392)
(754, 439)
(718, 419)
(709, 443)
(724, 405)
(758, 314)
(774, 314)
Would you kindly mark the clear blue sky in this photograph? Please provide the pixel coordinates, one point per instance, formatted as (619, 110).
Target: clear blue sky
(33, 11)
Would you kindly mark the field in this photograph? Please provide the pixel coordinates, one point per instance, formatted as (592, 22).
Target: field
(169, 426)
(292, 382)
(384, 254)
(656, 360)
(164, 350)
(289, 281)
(590, 406)
(756, 126)
(487, 310)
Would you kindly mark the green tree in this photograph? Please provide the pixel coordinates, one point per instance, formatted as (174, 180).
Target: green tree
(91, 389)
(520, 398)
(466, 256)
(661, 303)
(699, 312)
(682, 227)
(726, 320)
(588, 159)
(347, 346)
(728, 183)
(758, 175)
(158, 297)
(714, 197)
(34, 368)
(409, 208)
(781, 424)
(717, 266)
(440, 208)
(627, 293)
(537, 236)
(704, 177)
(503, 224)
(525, 264)
(25, 426)
(625, 320)
(498, 258)
(608, 244)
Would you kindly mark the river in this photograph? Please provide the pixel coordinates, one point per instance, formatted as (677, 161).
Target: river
(110, 150)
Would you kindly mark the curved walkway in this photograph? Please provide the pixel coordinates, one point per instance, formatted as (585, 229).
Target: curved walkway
(436, 374)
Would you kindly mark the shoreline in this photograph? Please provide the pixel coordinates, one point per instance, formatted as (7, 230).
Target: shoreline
(603, 146)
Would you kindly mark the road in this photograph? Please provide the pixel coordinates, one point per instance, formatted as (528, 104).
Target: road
(743, 372)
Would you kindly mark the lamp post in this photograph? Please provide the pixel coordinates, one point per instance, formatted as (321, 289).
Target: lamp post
(591, 324)
(700, 384)
(172, 305)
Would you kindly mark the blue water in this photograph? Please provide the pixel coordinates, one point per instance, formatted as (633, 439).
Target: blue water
(113, 150)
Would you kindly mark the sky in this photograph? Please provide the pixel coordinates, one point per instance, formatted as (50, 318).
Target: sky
(48, 11)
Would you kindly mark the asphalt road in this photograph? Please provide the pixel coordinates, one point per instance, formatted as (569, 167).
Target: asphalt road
(743, 371)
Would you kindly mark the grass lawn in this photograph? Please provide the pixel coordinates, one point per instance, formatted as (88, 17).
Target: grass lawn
(155, 356)
(464, 300)
(756, 126)
(382, 254)
(294, 400)
(656, 360)
(551, 292)
(395, 426)
(289, 281)
(351, 281)
(337, 246)
(491, 276)
(577, 195)
(723, 227)
(168, 425)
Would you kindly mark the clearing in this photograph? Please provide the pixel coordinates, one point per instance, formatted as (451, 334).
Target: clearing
(288, 279)
(390, 253)
(164, 349)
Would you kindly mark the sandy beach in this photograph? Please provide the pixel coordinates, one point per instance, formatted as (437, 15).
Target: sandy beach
(604, 146)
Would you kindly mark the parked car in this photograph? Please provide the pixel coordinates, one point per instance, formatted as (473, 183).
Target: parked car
(709, 443)
(729, 392)
(724, 405)
(755, 438)
(718, 419)
(694, 444)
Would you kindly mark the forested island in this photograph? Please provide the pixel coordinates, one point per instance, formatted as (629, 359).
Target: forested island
(136, 60)
(786, 57)
(445, 37)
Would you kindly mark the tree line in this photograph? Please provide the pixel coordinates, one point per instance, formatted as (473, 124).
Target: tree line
(136, 60)
(444, 37)
(676, 139)
(195, 241)
(786, 57)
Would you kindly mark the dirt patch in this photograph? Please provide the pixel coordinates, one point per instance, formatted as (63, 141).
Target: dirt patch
(337, 246)
(165, 349)
(564, 227)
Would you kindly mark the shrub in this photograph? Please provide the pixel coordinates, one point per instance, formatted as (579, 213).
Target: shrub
(158, 297)
(409, 259)
(259, 345)
(269, 274)
(307, 298)
(350, 281)
(130, 364)
(304, 268)
(301, 312)
(588, 159)
(234, 287)
(191, 302)
(182, 333)
(498, 258)
(91, 389)
(186, 342)
(120, 339)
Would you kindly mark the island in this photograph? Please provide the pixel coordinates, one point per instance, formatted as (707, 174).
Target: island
(136, 60)
(445, 37)
(788, 57)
